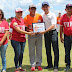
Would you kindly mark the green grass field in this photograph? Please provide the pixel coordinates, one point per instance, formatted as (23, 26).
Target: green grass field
(26, 62)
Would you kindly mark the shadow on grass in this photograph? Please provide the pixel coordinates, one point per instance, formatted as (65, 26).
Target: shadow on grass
(62, 69)
(25, 67)
(51, 69)
(10, 69)
(28, 67)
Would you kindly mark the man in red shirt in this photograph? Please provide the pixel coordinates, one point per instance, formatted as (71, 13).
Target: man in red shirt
(66, 27)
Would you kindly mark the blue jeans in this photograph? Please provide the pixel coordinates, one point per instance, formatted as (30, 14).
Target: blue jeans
(3, 55)
(19, 50)
(67, 45)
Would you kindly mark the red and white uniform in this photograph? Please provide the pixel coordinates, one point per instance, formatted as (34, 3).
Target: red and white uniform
(67, 24)
(16, 35)
(3, 26)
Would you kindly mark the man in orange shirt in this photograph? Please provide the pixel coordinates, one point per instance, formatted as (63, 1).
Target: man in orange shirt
(58, 22)
(34, 40)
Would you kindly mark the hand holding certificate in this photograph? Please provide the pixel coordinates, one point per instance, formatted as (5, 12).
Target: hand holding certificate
(38, 27)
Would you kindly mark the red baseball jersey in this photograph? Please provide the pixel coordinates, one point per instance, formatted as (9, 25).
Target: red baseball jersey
(15, 35)
(67, 24)
(3, 26)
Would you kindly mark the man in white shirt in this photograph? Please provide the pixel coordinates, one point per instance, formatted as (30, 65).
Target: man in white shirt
(50, 35)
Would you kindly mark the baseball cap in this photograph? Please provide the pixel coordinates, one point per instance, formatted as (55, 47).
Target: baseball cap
(45, 3)
(18, 10)
(11, 18)
(68, 5)
(32, 6)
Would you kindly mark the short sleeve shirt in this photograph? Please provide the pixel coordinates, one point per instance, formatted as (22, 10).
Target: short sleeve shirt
(16, 35)
(67, 24)
(49, 19)
(28, 20)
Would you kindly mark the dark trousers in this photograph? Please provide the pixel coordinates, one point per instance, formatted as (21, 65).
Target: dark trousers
(18, 49)
(51, 37)
(67, 45)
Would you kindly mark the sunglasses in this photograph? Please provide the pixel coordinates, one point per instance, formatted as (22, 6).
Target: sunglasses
(19, 12)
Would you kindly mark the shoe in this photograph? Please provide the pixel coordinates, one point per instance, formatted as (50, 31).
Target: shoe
(3, 71)
(67, 68)
(21, 69)
(56, 67)
(32, 68)
(55, 70)
(39, 68)
(36, 67)
(16, 70)
(48, 67)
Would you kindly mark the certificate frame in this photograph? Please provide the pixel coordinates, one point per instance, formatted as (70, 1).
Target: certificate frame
(37, 27)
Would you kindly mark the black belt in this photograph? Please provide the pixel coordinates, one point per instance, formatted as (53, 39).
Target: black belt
(52, 30)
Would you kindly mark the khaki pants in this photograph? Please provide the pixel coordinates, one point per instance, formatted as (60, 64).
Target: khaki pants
(35, 43)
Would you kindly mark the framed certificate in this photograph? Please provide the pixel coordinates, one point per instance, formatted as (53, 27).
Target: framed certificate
(37, 27)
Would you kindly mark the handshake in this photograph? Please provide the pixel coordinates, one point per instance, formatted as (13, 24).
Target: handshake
(32, 33)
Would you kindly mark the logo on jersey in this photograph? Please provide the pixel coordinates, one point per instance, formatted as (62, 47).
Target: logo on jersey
(68, 24)
(2, 29)
(14, 24)
(22, 27)
(71, 23)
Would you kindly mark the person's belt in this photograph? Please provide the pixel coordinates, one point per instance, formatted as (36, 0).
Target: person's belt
(52, 30)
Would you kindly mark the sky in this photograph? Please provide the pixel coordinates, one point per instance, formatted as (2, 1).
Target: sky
(9, 6)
